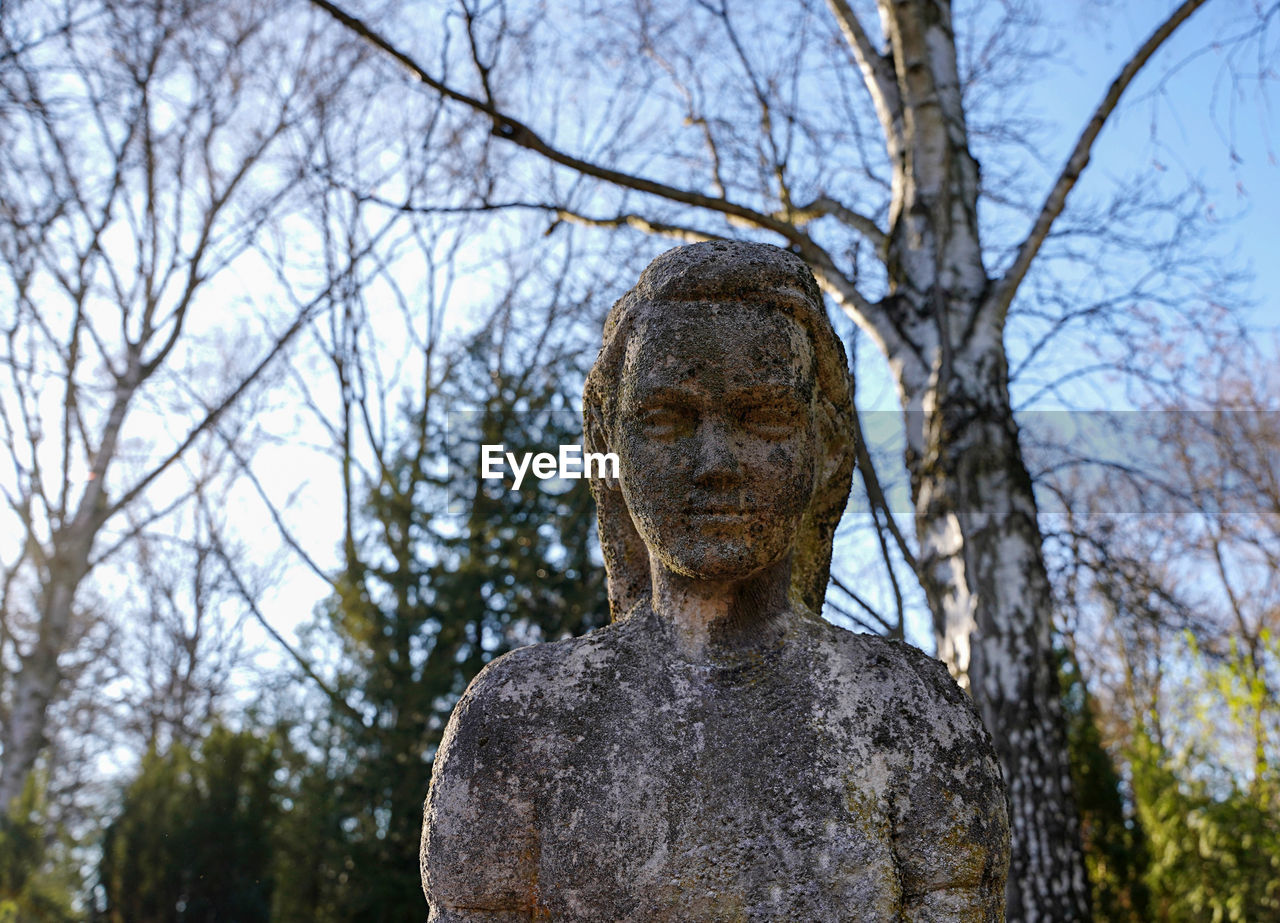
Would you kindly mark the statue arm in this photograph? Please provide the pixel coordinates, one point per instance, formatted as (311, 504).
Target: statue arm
(953, 829)
(479, 842)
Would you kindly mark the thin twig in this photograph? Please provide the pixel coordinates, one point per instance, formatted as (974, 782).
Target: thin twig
(1003, 293)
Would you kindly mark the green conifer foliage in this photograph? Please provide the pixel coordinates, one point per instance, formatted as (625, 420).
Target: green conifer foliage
(1114, 842)
(33, 889)
(193, 840)
(445, 571)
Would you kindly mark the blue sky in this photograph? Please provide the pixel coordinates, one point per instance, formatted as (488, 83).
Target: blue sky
(1200, 128)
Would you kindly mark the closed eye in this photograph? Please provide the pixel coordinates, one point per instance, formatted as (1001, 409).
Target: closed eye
(670, 422)
(772, 420)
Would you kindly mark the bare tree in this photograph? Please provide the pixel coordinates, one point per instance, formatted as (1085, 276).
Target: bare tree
(1207, 565)
(857, 148)
(141, 160)
(156, 647)
(1170, 598)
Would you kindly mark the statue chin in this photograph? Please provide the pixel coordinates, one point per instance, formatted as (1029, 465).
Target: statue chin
(713, 553)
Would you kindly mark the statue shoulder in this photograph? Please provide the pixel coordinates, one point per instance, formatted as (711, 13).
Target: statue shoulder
(952, 826)
(898, 668)
(539, 673)
(479, 841)
(512, 678)
(911, 693)
(523, 688)
(915, 670)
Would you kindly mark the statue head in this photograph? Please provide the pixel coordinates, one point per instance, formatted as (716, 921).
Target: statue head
(726, 394)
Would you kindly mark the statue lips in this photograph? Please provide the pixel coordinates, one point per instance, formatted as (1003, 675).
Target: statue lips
(721, 509)
(716, 521)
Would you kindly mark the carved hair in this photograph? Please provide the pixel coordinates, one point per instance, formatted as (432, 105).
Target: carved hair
(685, 279)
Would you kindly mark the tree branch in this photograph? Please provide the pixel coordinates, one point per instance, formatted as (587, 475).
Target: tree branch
(1003, 293)
(638, 222)
(825, 205)
(877, 73)
(216, 412)
(875, 495)
(889, 627)
(870, 317)
(515, 131)
(504, 126)
(247, 597)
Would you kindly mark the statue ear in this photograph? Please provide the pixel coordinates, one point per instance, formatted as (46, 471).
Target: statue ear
(593, 440)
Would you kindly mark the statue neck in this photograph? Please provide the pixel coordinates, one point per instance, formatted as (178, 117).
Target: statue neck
(721, 615)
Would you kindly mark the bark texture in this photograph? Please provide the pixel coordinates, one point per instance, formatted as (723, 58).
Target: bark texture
(979, 555)
(985, 577)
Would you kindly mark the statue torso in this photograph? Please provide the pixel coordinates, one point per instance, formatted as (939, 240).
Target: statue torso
(771, 783)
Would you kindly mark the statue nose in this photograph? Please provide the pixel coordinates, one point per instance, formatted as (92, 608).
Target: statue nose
(717, 465)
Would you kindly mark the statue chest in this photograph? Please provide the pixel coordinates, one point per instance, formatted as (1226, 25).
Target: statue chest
(703, 797)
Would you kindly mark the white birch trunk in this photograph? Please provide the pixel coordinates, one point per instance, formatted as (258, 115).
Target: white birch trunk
(64, 564)
(34, 687)
(980, 554)
(980, 546)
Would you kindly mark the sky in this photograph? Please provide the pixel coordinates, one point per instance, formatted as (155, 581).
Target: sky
(1198, 129)
(1202, 128)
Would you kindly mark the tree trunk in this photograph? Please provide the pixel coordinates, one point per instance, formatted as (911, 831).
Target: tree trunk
(980, 551)
(984, 573)
(36, 682)
(63, 565)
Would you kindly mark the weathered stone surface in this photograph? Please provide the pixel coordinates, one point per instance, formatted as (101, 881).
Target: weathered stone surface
(718, 753)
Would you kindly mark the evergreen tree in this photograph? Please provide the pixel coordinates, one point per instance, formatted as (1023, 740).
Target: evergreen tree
(193, 840)
(1114, 843)
(32, 890)
(444, 571)
(311, 866)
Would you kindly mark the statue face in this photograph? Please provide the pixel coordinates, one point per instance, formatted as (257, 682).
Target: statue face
(715, 435)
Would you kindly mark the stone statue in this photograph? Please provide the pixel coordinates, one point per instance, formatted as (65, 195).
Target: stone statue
(717, 753)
